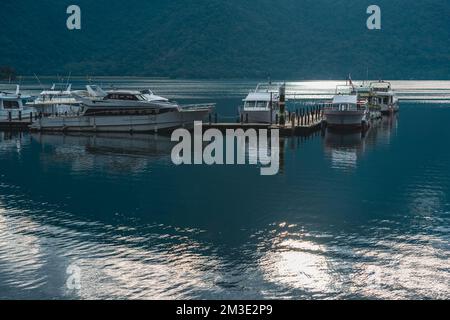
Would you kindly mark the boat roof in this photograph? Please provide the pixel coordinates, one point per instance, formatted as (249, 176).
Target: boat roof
(54, 92)
(58, 89)
(117, 91)
(380, 84)
(13, 96)
(261, 96)
(147, 94)
(342, 99)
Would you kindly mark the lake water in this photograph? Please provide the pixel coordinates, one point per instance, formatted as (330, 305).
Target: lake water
(349, 216)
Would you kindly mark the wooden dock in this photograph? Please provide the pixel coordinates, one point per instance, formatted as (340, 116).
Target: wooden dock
(296, 124)
(15, 125)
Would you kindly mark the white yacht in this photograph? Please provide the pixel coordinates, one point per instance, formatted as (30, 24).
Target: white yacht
(346, 111)
(383, 97)
(125, 111)
(60, 99)
(13, 106)
(262, 104)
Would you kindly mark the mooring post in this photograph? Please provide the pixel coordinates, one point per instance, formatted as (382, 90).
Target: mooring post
(246, 118)
(31, 117)
(282, 103)
(9, 116)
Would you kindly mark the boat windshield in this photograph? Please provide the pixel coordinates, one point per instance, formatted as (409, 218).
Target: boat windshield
(256, 104)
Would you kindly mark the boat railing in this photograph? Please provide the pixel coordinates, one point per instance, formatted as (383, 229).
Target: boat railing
(198, 106)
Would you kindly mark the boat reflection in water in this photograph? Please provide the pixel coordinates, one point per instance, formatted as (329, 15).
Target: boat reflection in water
(119, 152)
(346, 148)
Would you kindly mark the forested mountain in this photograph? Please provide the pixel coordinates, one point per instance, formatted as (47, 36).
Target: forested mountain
(286, 39)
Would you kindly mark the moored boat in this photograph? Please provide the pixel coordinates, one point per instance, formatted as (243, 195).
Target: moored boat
(58, 100)
(365, 93)
(346, 112)
(13, 106)
(383, 97)
(124, 111)
(263, 104)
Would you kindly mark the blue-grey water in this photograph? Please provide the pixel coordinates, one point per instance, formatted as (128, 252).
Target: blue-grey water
(349, 216)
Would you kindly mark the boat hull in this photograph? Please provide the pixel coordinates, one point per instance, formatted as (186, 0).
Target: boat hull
(345, 119)
(123, 123)
(258, 116)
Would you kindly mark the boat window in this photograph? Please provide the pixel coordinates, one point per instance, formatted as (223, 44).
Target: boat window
(261, 104)
(10, 104)
(123, 96)
(250, 104)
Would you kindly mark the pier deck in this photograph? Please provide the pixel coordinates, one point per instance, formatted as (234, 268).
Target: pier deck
(296, 124)
(15, 125)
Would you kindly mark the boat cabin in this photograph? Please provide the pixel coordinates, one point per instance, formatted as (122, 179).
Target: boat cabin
(13, 105)
(260, 101)
(345, 103)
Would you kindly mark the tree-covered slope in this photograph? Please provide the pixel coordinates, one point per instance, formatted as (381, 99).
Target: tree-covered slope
(314, 39)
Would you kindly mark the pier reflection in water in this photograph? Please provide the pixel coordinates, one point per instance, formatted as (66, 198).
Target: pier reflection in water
(350, 216)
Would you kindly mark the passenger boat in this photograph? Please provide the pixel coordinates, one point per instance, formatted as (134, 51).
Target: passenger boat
(58, 100)
(346, 111)
(124, 111)
(365, 93)
(13, 106)
(383, 97)
(262, 104)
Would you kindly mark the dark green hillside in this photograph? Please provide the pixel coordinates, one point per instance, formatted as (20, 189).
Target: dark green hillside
(313, 39)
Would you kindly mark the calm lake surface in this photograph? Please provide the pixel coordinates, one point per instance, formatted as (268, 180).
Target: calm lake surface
(349, 216)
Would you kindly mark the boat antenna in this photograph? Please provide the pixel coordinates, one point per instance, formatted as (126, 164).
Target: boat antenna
(40, 83)
(68, 78)
(367, 74)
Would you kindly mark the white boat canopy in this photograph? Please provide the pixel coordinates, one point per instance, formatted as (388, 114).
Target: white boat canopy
(345, 99)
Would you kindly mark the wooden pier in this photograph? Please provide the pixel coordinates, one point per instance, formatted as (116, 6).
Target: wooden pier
(298, 123)
(15, 125)
(22, 123)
